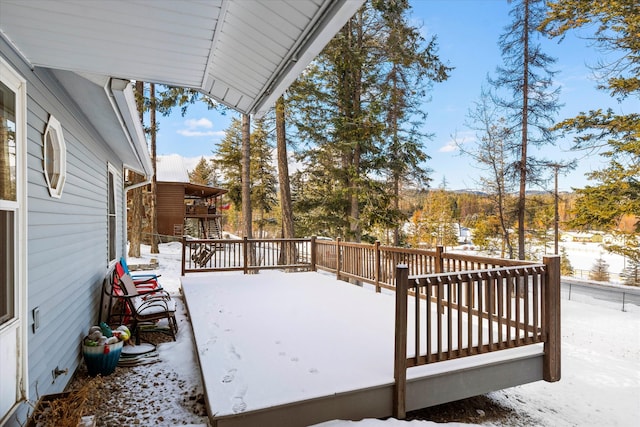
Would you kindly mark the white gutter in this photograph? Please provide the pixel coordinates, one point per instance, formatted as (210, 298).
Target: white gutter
(122, 99)
(324, 26)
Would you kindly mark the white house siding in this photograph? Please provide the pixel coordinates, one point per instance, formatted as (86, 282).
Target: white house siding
(67, 237)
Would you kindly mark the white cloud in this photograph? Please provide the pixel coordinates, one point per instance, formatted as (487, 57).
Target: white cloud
(199, 127)
(199, 123)
(193, 132)
(456, 140)
(448, 147)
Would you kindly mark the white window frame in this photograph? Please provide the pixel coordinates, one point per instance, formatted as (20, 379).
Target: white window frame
(53, 134)
(18, 85)
(112, 173)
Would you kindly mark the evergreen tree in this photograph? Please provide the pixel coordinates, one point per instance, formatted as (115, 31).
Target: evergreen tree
(263, 178)
(616, 190)
(435, 222)
(599, 270)
(631, 273)
(530, 100)
(566, 269)
(355, 109)
(203, 173)
(261, 181)
(284, 184)
(411, 66)
(228, 160)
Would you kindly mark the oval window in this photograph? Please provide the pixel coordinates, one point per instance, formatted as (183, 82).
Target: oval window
(55, 157)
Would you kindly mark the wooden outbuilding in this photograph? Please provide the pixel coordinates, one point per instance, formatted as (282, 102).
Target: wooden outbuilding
(184, 208)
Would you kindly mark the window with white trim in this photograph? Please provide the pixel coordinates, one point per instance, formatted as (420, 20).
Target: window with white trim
(8, 202)
(55, 157)
(13, 239)
(111, 213)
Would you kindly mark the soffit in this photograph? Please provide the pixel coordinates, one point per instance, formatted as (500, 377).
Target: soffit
(243, 53)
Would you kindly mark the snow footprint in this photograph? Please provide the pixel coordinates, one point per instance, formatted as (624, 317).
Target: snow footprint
(239, 405)
(233, 353)
(229, 376)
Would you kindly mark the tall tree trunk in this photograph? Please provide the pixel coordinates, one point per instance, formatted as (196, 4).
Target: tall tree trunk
(135, 195)
(356, 113)
(396, 206)
(288, 230)
(247, 220)
(247, 216)
(524, 130)
(152, 208)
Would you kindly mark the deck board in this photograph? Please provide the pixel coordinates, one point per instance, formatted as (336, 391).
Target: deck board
(305, 347)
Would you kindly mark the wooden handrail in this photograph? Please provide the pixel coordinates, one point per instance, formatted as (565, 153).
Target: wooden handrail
(477, 312)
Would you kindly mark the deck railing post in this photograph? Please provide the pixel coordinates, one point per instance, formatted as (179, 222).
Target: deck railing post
(184, 255)
(552, 345)
(338, 258)
(439, 260)
(400, 353)
(376, 266)
(245, 255)
(314, 253)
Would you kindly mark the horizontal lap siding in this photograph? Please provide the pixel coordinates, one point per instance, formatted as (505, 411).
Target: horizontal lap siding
(67, 237)
(169, 207)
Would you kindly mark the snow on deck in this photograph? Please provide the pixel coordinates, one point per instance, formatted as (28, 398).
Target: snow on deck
(273, 338)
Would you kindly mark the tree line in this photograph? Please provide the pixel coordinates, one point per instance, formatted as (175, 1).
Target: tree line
(354, 126)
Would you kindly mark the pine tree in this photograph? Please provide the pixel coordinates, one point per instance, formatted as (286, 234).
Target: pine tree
(530, 100)
(286, 204)
(203, 173)
(228, 161)
(566, 269)
(599, 271)
(435, 220)
(263, 178)
(261, 181)
(355, 109)
(412, 66)
(631, 273)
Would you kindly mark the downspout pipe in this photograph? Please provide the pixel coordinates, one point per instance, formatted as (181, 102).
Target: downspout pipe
(123, 102)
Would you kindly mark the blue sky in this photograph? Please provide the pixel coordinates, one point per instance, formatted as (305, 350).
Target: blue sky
(467, 32)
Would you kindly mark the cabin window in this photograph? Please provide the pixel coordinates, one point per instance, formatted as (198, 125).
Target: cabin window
(8, 199)
(111, 215)
(55, 157)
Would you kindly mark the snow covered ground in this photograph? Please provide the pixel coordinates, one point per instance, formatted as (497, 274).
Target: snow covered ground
(600, 364)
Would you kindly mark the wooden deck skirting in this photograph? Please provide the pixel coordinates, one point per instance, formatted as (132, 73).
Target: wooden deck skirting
(479, 304)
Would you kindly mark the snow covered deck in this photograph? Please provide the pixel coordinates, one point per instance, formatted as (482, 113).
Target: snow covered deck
(293, 349)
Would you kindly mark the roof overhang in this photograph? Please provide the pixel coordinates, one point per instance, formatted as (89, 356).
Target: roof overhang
(196, 190)
(109, 105)
(243, 54)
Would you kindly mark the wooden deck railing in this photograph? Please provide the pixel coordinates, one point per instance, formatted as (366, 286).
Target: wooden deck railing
(473, 312)
(472, 305)
(207, 255)
(376, 264)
